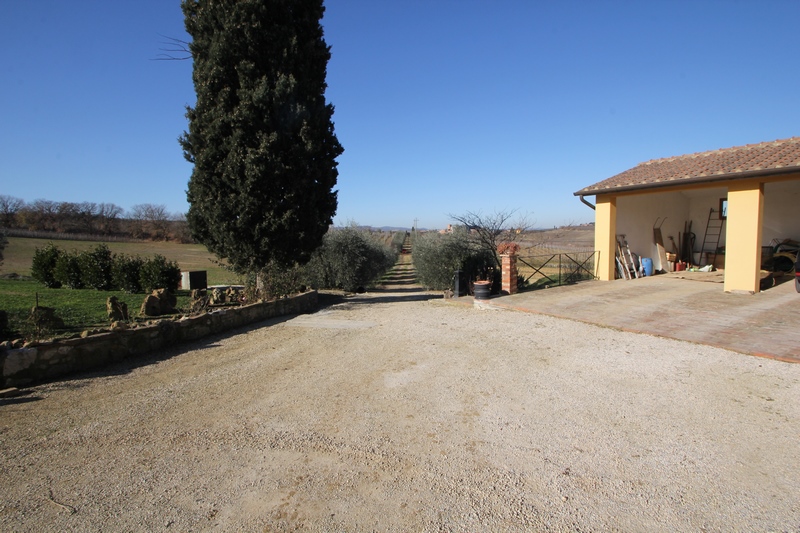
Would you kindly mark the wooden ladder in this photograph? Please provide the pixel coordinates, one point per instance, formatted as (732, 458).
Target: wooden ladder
(713, 233)
(625, 262)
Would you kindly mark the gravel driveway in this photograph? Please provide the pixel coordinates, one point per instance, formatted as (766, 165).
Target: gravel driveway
(390, 412)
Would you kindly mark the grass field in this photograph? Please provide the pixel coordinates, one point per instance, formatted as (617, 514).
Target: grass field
(86, 308)
(19, 254)
(79, 309)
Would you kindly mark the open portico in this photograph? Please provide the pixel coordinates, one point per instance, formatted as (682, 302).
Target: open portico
(752, 192)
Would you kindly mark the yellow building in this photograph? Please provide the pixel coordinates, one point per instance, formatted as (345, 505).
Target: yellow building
(750, 193)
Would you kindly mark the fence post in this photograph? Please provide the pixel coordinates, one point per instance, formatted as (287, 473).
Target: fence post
(509, 271)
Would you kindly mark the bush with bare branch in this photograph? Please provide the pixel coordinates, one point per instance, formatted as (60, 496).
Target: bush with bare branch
(492, 229)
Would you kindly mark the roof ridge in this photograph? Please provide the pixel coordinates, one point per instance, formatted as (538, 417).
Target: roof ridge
(695, 155)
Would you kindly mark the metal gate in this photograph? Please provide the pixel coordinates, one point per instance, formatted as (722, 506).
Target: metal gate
(550, 270)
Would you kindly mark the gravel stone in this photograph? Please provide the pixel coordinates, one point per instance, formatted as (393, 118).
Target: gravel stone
(393, 412)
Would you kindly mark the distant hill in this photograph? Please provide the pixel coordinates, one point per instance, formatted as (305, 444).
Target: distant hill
(566, 237)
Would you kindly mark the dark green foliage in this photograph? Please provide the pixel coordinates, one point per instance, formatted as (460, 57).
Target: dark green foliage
(44, 264)
(97, 268)
(126, 273)
(437, 257)
(68, 270)
(260, 135)
(158, 273)
(348, 259)
(5, 331)
(101, 270)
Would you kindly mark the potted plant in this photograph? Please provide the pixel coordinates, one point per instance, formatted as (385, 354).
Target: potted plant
(507, 248)
(481, 289)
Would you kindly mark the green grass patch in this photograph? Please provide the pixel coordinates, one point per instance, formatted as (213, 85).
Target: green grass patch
(79, 309)
(19, 255)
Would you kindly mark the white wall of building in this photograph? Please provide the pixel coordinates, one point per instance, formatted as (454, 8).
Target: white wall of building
(637, 215)
(781, 212)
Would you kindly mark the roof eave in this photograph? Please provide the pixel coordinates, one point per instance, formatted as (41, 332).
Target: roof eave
(692, 181)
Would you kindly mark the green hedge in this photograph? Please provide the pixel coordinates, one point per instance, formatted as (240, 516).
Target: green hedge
(99, 269)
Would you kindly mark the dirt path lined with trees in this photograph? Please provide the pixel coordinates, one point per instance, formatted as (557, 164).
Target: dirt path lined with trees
(392, 411)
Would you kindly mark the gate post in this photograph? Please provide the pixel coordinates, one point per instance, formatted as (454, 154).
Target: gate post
(509, 271)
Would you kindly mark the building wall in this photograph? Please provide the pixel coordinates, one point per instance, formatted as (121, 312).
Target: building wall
(701, 202)
(781, 204)
(637, 215)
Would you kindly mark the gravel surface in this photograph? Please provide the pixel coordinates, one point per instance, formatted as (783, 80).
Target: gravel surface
(393, 412)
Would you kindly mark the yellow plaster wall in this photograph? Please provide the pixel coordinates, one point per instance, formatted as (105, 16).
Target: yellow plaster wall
(605, 228)
(743, 244)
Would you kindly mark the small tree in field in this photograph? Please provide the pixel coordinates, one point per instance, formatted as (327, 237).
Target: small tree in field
(261, 133)
(44, 264)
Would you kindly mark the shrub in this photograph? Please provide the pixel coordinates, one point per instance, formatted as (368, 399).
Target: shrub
(97, 268)
(44, 264)
(126, 273)
(349, 259)
(437, 257)
(277, 281)
(158, 273)
(68, 270)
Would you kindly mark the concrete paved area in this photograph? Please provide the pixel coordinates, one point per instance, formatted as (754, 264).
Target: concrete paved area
(697, 310)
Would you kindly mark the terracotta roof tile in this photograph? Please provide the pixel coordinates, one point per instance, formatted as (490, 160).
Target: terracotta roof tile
(726, 163)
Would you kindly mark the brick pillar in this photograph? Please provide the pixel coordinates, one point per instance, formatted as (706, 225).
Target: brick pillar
(509, 269)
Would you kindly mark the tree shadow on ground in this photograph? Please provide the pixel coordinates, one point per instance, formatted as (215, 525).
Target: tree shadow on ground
(22, 398)
(378, 297)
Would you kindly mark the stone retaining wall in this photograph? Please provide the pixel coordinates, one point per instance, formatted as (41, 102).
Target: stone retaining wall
(38, 362)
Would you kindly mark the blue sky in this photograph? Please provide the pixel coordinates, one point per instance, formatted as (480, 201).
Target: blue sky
(442, 106)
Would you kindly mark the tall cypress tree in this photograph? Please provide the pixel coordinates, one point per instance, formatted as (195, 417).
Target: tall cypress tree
(261, 135)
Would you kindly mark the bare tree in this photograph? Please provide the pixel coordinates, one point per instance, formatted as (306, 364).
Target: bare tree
(67, 217)
(86, 217)
(9, 207)
(40, 215)
(492, 229)
(150, 220)
(108, 218)
(176, 50)
(180, 228)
